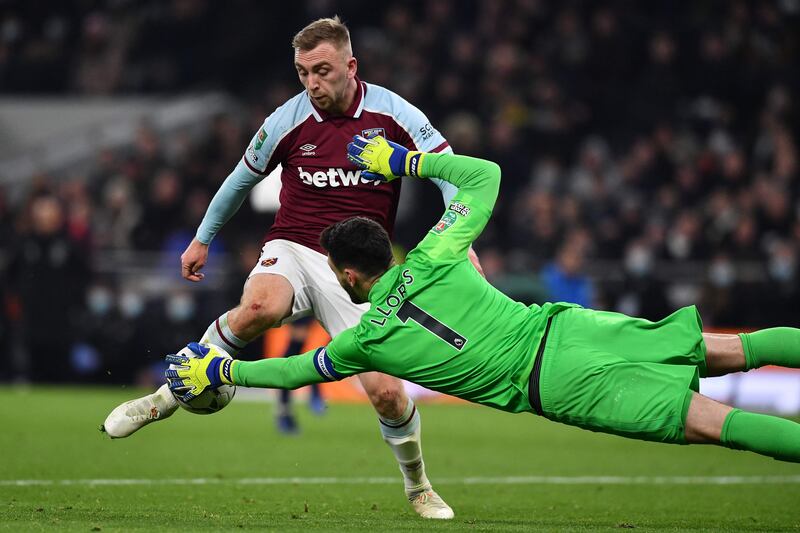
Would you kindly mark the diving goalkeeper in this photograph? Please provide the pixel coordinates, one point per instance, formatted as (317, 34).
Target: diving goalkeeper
(435, 321)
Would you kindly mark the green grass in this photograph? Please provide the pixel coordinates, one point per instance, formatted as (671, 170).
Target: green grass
(51, 434)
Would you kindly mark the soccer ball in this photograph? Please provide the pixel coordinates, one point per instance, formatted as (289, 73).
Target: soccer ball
(210, 400)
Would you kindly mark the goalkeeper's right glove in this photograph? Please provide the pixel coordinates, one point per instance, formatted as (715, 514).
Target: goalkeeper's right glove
(211, 368)
(383, 160)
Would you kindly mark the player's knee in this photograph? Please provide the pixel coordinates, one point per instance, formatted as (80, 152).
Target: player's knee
(266, 300)
(258, 313)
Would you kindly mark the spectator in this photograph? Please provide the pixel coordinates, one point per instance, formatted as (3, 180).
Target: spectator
(49, 272)
(670, 146)
(564, 279)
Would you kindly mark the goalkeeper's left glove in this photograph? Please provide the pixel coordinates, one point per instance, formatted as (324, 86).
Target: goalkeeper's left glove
(211, 368)
(381, 159)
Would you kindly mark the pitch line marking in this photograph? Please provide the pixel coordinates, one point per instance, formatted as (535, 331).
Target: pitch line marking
(508, 480)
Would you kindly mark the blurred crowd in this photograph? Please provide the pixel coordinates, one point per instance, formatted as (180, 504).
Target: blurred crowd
(649, 154)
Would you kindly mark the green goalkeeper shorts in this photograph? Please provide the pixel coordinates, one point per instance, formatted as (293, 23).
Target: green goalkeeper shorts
(609, 372)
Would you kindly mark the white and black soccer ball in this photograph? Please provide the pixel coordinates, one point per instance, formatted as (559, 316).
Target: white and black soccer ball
(210, 400)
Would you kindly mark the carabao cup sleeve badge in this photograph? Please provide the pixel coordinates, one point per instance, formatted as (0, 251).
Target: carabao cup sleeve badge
(447, 220)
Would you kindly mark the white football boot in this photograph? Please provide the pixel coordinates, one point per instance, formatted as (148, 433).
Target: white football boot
(428, 504)
(133, 415)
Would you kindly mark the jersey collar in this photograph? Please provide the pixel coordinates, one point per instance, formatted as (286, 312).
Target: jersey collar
(354, 111)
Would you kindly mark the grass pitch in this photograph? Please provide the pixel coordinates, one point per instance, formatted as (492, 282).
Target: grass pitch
(233, 471)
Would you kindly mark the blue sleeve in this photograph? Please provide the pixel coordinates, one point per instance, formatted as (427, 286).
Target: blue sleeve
(419, 128)
(227, 201)
(262, 154)
(425, 137)
(260, 158)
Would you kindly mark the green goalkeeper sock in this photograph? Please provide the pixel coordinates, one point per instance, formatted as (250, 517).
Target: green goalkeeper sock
(774, 346)
(768, 435)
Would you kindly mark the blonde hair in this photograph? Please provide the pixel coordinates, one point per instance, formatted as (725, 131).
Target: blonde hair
(331, 30)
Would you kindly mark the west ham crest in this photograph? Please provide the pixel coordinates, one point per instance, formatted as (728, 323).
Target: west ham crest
(373, 132)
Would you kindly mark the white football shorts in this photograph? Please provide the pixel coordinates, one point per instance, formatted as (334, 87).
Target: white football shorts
(316, 290)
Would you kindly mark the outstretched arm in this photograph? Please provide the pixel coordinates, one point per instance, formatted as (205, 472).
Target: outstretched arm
(211, 367)
(448, 192)
(260, 158)
(227, 201)
(478, 182)
(285, 372)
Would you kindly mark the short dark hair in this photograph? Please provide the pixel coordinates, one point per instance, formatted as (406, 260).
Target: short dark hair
(358, 243)
(331, 30)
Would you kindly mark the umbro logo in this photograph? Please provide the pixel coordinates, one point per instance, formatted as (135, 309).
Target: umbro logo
(308, 149)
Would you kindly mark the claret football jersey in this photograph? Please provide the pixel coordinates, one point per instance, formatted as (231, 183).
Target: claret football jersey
(319, 185)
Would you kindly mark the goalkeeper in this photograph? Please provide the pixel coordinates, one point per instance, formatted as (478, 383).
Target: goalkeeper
(435, 321)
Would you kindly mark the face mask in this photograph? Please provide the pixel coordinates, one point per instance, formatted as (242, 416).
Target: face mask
(721, 274)
(638, 261)
(131, 305)
(679, 245)
(84, 359)
(180, 308)
(781, 269)
(99, 300)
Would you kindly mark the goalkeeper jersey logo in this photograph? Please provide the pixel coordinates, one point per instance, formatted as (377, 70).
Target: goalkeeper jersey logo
(459, 208)
(447, 220)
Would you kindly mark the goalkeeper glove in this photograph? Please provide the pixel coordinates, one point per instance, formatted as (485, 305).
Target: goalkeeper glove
(383, 160)
(192, 375)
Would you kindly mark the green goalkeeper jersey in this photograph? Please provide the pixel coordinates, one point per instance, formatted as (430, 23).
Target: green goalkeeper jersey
(434, 320)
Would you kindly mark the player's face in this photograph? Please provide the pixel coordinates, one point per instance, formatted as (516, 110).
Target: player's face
(349, 282)
(327, 73)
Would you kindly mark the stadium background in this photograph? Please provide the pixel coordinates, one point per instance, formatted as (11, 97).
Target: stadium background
(649, 155)
(650, 160)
